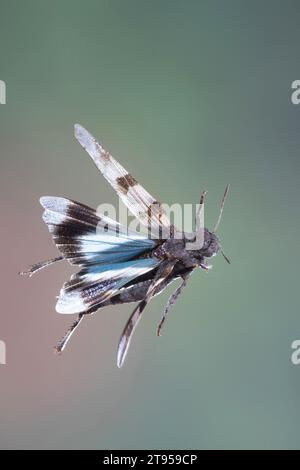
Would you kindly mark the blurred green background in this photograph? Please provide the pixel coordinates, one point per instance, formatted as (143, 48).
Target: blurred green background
(188, 95)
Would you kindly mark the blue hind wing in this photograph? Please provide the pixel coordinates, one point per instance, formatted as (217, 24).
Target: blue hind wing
(90, 287)
(86, 238)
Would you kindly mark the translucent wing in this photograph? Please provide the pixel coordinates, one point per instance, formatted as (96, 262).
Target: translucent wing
(141, 204)
(85, 237)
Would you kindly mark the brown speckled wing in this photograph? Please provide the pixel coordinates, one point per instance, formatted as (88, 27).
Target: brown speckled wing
(141, 204)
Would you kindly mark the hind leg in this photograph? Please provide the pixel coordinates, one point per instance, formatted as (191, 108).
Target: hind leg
(172, 301)
(41, 265)
(63, 342)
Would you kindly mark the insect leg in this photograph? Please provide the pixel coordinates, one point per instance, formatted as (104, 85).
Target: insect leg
(172, 301)
(63, 342)
(163, 272)
(38, 266)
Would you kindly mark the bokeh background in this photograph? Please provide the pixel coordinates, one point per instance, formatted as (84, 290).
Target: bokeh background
(188, 95)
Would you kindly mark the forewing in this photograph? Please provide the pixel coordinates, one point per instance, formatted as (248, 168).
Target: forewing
(85, 237)
(90, 287)
(141, 204)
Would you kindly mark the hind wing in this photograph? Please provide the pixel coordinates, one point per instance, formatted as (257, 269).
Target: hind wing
(85, 237)
(90, 287)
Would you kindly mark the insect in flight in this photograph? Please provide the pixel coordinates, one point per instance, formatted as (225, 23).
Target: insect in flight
(117, 265)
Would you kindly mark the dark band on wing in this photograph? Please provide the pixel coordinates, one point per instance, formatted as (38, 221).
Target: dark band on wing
(85, 237)
(133, 195)
(125, 182)
(90, 287)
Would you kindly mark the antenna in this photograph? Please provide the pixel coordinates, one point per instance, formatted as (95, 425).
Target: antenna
(225, 257)
(221, 209)
(201, 205)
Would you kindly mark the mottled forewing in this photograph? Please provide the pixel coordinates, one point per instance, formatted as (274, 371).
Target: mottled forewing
(141, 204)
